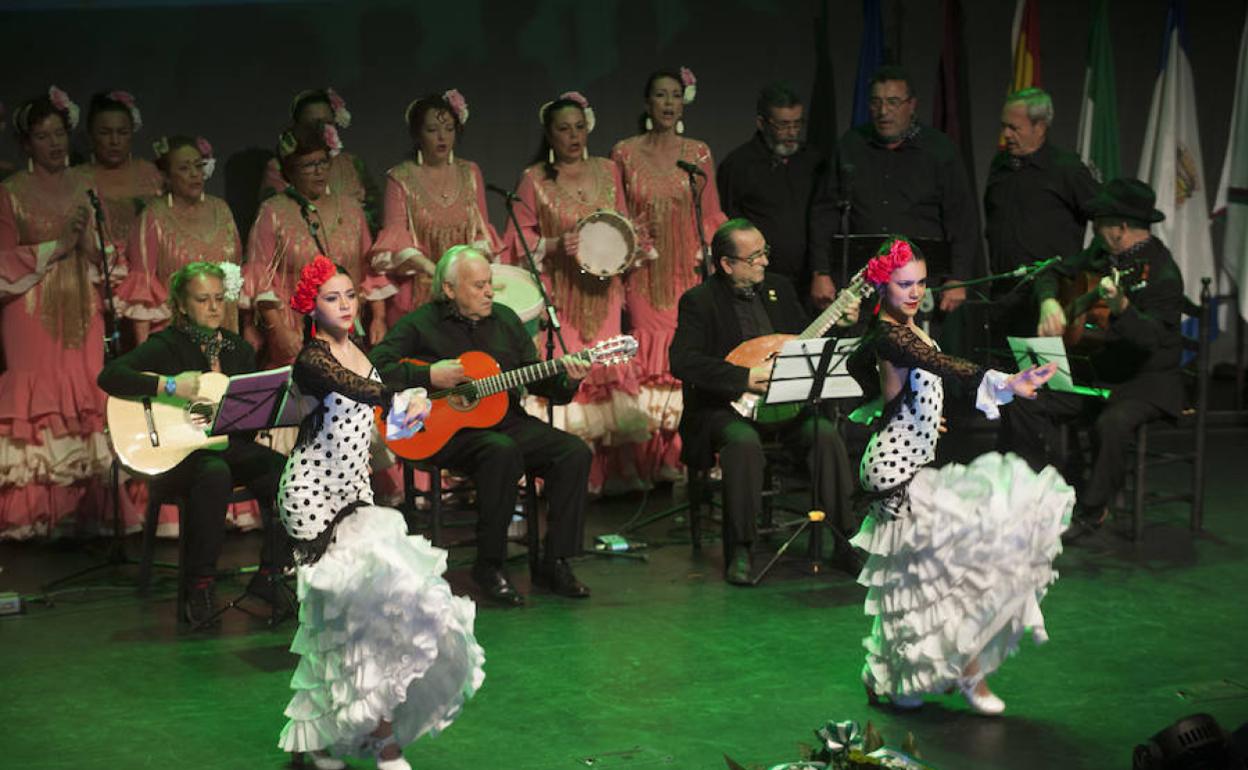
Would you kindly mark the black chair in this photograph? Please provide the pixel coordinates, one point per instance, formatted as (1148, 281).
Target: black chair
(160, 495)
(455, 508)
(1193, 421)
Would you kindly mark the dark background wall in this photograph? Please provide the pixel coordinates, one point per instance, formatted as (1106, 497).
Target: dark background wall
(227, 70)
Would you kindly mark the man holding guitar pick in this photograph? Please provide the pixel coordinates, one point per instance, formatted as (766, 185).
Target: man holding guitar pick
(463, 318)
(740, 302)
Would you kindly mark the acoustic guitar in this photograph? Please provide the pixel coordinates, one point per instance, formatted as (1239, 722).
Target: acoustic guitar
(482, 401)
(152, 434)
(1087, 314)
(760, 351)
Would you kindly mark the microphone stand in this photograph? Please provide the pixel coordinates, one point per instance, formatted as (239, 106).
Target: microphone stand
(116, 555)
(1026, 274)
(846, 206)
(705, 265)
(306, 208)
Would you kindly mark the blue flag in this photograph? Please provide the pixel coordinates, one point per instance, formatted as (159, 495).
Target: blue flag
(870, 59)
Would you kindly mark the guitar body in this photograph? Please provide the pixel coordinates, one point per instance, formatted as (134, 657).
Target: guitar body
(151, 435)
(450, 415)
(1087, 314)
(760, 351)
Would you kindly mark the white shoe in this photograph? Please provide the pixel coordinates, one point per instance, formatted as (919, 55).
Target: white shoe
(378, 745)
(321, 760)
(987, 704)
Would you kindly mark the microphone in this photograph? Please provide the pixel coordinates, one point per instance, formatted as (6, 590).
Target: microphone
(690, 168)
(297, 197)
(507, 194)
(109, 248)
(845, 182)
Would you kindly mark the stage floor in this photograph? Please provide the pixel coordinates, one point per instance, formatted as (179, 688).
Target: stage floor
(666, 666)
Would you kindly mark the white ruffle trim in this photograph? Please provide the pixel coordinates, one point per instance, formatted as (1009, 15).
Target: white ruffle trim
(992, 393)
(961, 573)
(380, 637)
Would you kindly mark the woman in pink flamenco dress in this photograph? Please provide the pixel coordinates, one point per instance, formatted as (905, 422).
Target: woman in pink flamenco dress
(660, 201)
(183, 226)
(125, 184)
(432, 203)
(281, 240)
(316, 108)
(53, 453)
(556, 192)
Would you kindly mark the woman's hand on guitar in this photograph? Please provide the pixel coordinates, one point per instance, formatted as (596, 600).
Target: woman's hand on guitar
(1027, 382)
(576, 366)
(1115, 298)
(1052, 319)
(447, 373)
(187, 385)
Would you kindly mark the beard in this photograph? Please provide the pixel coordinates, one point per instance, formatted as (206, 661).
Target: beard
(781, 149)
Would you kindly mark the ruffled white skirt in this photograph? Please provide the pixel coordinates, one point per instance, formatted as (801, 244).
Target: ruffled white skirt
(380, 637)
(958, 571)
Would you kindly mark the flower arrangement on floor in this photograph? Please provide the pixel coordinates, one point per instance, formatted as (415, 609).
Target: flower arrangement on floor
(845, 746)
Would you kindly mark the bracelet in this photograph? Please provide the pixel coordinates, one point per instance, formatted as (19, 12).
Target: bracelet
(171, 386)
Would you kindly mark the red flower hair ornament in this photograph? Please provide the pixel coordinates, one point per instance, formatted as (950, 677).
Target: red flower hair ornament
(315, 273)
(880, 267)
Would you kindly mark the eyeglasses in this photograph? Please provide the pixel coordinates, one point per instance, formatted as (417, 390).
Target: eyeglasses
(891, 102)
(314, 165)
(755, 258)
(788, 125)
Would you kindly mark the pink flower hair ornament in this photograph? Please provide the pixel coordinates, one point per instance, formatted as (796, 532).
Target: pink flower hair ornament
(126, 98)
(342, 117)
(332, 140)
(880, 267)
(459, 105)
(690, 84)
(209, 163)
(315, 273)
(572, 96)
(61, 101)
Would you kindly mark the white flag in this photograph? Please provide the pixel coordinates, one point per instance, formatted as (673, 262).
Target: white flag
(1171, 161)
(1232, 197)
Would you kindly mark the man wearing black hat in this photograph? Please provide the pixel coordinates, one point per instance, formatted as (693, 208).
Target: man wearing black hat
(1139, 361)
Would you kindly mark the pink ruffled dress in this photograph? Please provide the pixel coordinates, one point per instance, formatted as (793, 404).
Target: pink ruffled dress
(605, 412)
(124, 193)
(420, 226)
(54, 456)
(660, 201)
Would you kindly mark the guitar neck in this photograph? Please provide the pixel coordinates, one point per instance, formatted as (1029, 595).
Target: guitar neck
(830, 315)
(488, 386)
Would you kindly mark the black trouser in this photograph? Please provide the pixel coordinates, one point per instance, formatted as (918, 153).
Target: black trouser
(497, 457)
(741, 463)
(1029, 428)
(206, 481)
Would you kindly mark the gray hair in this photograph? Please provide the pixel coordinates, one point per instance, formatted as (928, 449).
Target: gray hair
(447, 270)
(1038, 102)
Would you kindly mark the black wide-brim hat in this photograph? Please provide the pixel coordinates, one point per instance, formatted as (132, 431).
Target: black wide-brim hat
(1127, 198)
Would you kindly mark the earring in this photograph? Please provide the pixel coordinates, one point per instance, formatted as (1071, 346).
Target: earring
(680, 126)
(450, 157)
(66, 160)
(30, 165)
(420, 158)
(649, 124)
(550, 155)
(169, 199)
(585, 153)
(201, 196)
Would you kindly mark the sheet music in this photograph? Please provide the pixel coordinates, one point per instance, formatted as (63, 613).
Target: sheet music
(1038, 351)
(791, 378)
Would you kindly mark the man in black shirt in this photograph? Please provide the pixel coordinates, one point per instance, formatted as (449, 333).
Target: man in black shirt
(739, 302)
(1036, 207)
(463, 317)
(168, 364)
(1139, 361)
(771, 181)
(901, 177)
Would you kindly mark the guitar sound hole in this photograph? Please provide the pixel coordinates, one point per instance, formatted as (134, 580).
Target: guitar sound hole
(461, 403)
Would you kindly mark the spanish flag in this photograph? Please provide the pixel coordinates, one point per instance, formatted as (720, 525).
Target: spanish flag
(1026, 42)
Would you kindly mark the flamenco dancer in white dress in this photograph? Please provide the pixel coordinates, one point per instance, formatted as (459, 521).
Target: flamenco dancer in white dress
(387, 652)
(958, 557)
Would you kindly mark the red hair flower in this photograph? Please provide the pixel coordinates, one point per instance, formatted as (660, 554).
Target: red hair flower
(880, 267)
(315, 273)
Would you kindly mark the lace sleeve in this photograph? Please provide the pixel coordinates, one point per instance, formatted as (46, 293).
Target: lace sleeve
(318, 373)
(902, 347)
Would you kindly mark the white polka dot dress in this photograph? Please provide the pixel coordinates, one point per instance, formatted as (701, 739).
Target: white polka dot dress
(380, 635)
(958, 557)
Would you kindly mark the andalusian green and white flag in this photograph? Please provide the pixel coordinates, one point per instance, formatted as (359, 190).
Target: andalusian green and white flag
(1097, 144)
(1232, 197)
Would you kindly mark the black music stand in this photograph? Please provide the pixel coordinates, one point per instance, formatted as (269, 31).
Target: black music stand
(809, 371)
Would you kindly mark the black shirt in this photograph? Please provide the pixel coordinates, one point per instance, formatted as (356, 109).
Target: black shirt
(750, 313)
(776, 195)
(918, 189)
(169, 352)
(436, 331)
(1035, 207)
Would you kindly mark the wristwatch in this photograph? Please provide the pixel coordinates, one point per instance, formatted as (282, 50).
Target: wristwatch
(171, 386)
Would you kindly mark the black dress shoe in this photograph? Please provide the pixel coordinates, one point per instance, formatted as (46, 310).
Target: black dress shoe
(496, 585)
(557, 577)
(201, 606)
(740, 568)
(1085, 521)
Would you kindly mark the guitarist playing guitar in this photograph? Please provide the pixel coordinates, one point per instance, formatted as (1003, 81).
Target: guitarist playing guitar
(1139, 349)
(739, 302)
(461, 318)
